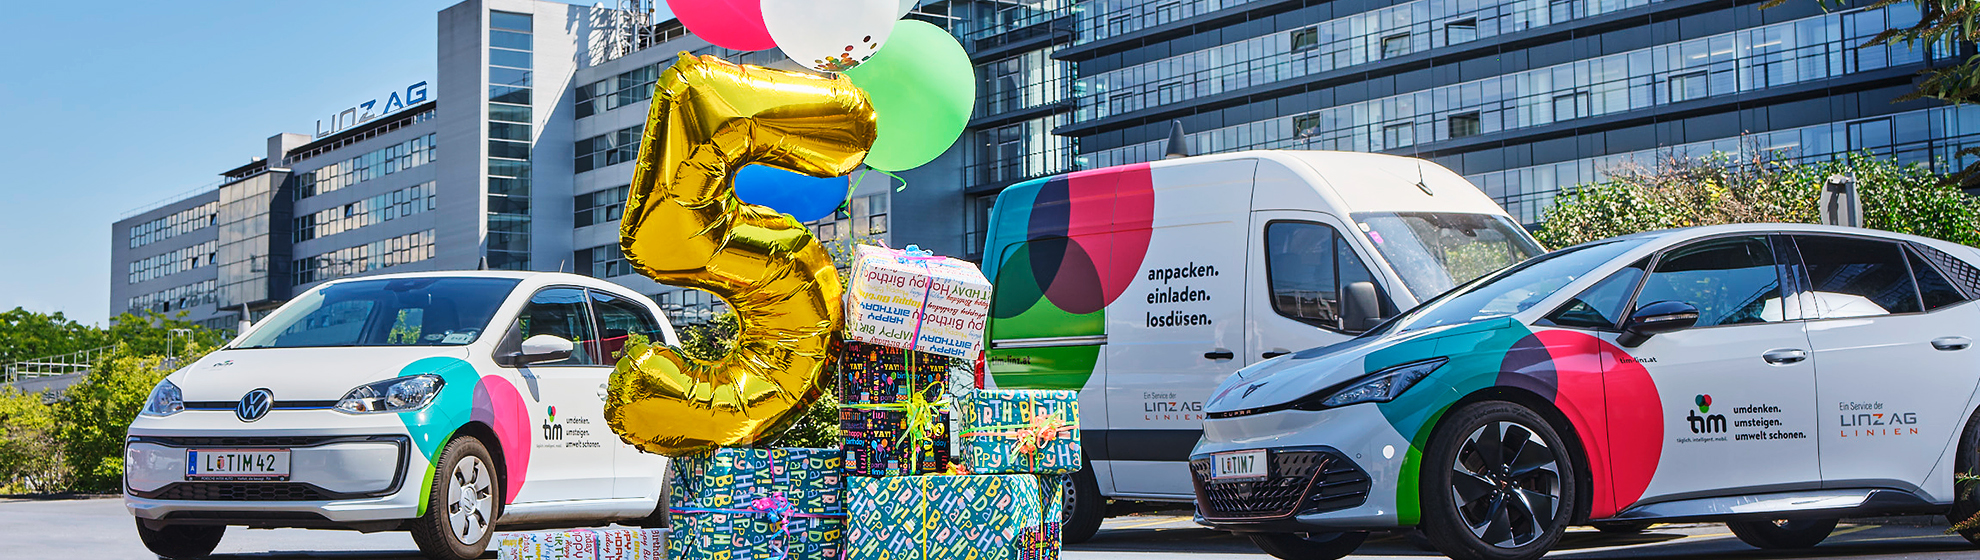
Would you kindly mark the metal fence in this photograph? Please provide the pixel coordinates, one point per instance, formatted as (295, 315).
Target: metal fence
(50, 366)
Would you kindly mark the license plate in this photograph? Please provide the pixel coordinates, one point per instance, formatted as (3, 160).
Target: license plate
(237, 464)
(1240, 464)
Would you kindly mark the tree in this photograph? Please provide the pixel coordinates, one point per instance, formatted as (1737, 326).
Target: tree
(1950, 24)
(1722, 189)
(27, 334)
(94, 414)
(30, 458)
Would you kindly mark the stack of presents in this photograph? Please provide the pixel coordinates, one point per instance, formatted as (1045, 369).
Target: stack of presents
(905, 484)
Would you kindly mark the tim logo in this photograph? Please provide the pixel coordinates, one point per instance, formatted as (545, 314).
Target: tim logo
(552, 429)
(1709, 424)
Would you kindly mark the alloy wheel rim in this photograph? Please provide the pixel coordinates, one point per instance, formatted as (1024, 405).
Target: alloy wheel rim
(1506, 484)
(470, 500)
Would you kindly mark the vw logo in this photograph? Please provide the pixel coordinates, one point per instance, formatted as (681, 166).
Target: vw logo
(254, 405)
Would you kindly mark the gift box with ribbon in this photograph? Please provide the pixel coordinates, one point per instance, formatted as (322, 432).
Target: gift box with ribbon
(893, 418)
(758, 503)
(1020, 431)
(913, 300)
(583, 544)
(942, 517)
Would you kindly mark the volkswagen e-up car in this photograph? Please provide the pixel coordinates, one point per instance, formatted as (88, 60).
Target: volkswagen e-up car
(1774, 377)
(443, 404)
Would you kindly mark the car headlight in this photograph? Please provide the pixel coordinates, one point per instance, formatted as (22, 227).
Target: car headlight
(398, 394)
(1382, 386)
(165, 400)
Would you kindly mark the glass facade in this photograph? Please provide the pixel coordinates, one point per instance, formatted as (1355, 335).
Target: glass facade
(367, 166)
(603, 261)
(600, 208)
(173, 299)
(377, 209)
(510, 122)
(250, 262)
(616, 147)
(174, 262)
(409, 248)
(178, 223)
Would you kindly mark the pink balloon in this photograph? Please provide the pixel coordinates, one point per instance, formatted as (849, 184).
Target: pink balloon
(733, 24)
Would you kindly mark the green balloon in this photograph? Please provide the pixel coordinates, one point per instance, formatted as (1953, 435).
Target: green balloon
(922, 88)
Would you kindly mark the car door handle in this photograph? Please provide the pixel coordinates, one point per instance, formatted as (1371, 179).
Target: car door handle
(1219, 355)
(1274, 354)
(1785, 356)
(1951, 343)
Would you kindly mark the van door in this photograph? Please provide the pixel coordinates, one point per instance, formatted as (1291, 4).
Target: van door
(572, 455)
(636, 474)
(1301, 285)
(1178, 330)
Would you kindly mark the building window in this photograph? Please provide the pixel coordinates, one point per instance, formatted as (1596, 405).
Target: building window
(828, 231)
(1689, 86)
(1466, 124)
(1395, 45)
(1306, 126)
(614, 148)
(364, 167)
(1572, 106)
(602, 207)
(1398, 136)
(1461, 31)
(404, 249)
(604, 261)
(1305, 39)
(179, 223)
(382, 208)
(871, 211)
(510, 87)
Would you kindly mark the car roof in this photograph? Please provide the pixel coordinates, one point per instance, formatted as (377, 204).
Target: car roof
(527, 279)
(1696, 232)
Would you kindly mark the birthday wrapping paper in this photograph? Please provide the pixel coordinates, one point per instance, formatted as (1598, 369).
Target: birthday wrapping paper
(742, 504)
(888, 397)
(583, 544)
(913, 300)
(940, 517)
(1020, 431)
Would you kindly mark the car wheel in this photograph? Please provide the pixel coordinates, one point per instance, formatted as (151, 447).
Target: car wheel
(462, 506)
(1965, 514)
(1783, 534)
(1315, 546)
(181, 541)
(1622, 527)
(1085, 508)
(1498, 484)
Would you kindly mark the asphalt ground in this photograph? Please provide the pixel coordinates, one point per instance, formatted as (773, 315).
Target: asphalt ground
(100, 529)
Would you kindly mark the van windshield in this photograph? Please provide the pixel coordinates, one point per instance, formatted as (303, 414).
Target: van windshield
(432, 311)
(1434, 252)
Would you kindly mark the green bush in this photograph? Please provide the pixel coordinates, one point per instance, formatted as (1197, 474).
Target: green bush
(30, 457)
(1720, 189)
(94, 415)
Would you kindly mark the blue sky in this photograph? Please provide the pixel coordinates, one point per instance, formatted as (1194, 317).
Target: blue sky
(109, 106)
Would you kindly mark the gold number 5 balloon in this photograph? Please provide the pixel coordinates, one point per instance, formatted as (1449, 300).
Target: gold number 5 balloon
(684, 226)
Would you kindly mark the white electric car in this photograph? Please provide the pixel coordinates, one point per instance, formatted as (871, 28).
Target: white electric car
(1774, 377)
(442, 404)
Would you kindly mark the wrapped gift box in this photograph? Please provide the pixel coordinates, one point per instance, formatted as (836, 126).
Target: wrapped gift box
(912, 300)
(583, 544)
(878, 387)
(1020, 431)
(976, 517)
(758, 503)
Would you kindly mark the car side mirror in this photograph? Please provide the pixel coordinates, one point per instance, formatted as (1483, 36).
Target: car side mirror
(1361, 306)
(1657, 318)
(542, 348)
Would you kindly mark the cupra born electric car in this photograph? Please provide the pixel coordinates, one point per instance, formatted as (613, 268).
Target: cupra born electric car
(437, 403)
(1774, 377)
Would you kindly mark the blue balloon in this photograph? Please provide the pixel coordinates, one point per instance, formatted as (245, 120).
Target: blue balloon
(802, 196)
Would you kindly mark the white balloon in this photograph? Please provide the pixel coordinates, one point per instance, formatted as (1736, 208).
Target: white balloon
(907, 6)
(830, 35)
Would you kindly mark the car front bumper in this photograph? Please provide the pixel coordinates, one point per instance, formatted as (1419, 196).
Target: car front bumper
(1331, 470)
(363, 473)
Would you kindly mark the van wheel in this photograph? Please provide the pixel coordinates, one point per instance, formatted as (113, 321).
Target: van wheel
(1314, 546)
(1085, 507)
(1783, 534)
(1965, 514)
(181, 541)
(463, 504)
(1498, 484)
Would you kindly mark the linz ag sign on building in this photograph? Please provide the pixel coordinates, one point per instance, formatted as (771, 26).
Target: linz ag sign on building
(364, 112)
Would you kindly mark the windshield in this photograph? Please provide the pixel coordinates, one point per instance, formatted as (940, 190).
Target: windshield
(1434, 252)
(434, 311)
(1517, 289)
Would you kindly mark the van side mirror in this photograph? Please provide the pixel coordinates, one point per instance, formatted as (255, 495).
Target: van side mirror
(1361, 306)
(542, 348)
(1657, 318)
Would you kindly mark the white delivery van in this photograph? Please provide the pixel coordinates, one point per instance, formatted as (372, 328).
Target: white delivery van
(1142, 286)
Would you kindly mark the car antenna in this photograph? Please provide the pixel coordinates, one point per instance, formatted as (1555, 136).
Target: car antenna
(1420, 184)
